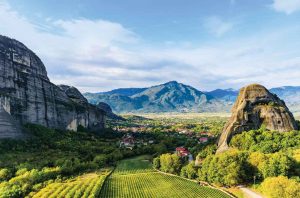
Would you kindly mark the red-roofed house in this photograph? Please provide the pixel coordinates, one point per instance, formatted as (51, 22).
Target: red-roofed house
(127, 141)
(182, 151)
(203, 139)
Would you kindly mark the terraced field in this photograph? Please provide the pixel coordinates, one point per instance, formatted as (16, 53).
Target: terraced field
(134, 178)
(88, 186)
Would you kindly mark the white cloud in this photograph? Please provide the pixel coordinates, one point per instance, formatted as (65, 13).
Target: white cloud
(217, 26)
(99, 55)
(286, 6)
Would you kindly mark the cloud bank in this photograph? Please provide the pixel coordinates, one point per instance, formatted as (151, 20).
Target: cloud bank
(99, 55)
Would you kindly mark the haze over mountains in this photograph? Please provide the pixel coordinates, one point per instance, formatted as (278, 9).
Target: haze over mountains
(177, 97)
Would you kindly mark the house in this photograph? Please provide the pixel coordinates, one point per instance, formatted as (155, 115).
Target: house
(203, 140)
(151, 141)
(127, 142)
(182, 151)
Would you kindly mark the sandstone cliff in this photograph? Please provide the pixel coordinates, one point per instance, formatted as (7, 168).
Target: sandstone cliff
(27, 95)
(254, 107)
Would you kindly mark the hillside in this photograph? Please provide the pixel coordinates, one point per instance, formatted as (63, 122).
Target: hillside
(169, 97)
(176, 97)
(224, 94)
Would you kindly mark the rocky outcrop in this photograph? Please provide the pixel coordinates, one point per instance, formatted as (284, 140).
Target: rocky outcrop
(254, 107)
(27, 95)
(109, 113)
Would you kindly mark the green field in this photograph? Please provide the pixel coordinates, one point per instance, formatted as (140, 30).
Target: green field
(85, 186)
(135, 178)
(135, 165)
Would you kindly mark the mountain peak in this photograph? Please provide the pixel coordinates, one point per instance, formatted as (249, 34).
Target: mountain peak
(174, 82)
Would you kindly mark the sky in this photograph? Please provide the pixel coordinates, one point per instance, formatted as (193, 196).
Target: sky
(99, 45)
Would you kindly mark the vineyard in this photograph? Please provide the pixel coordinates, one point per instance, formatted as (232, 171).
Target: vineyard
(86, 186)
(140, 164)
(139, 180)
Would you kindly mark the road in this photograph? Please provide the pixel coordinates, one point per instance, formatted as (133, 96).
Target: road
(249, 193)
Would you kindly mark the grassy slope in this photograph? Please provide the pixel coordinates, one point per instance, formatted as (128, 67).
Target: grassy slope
(135, 178)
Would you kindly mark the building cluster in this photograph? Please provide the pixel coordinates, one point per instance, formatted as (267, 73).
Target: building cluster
(128, 141)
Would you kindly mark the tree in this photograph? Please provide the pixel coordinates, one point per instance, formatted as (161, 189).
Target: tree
(170, 163)
(189, 171)
(280, 187)
(229, 168)
(276, 164)
(160, 148)
(208, 150)
(100, 160)
(156, 163)
(5, 174)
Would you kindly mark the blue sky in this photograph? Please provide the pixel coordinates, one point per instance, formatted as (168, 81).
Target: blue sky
(99, 45)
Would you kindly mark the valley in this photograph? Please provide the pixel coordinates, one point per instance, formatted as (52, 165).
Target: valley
(78, 164)
(119, 106)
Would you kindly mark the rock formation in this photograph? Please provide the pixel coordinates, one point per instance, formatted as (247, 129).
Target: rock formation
(109, 113)
(254, 107)
(27, 95)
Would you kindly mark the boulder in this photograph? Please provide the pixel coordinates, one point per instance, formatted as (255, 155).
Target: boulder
(28, 96)
(254, 107)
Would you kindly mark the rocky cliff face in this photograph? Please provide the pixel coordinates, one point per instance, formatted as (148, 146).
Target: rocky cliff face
(109, 113)
(256, 106)
(27, 95)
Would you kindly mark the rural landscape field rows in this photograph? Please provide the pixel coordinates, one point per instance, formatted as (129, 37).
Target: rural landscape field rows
(86, 186)
(134, 178)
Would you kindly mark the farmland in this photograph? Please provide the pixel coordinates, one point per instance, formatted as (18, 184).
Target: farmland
(139, 180)
(87, 185)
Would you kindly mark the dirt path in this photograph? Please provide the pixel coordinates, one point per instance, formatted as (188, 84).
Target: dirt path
(249, 193)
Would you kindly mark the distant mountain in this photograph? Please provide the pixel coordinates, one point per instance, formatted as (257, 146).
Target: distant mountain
(125, 91)
(168, 97)
(177, 97)
(290, 94)
(224, 94)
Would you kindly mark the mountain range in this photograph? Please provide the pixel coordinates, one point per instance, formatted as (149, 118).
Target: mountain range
(177, 97)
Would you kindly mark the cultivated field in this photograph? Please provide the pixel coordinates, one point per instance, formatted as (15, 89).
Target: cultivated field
(86, 186)
(134, 178)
